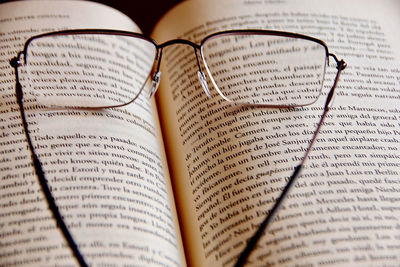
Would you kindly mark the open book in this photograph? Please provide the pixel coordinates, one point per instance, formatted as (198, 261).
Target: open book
(186, 180)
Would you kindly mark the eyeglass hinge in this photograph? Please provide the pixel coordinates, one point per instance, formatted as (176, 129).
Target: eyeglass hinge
(14, 62)
(342, 65)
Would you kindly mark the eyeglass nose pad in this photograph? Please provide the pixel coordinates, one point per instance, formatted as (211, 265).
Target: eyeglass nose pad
(154, 84)
(203, 82)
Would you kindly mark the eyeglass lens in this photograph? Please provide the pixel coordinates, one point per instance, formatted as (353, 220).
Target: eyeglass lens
(70, 70)
(88, 70)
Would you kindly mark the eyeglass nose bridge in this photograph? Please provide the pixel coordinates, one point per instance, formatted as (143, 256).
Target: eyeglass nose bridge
(200, 74)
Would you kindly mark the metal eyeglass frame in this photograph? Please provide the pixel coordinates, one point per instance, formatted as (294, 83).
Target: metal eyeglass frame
(16, 62)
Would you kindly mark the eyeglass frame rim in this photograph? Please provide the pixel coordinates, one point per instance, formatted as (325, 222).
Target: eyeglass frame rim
(15, 63)
(178, 40)
(197, 47)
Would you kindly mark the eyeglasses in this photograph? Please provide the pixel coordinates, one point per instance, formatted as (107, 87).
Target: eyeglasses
(272, 69)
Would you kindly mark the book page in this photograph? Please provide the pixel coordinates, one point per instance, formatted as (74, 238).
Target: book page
(229, 163)
(106, 168)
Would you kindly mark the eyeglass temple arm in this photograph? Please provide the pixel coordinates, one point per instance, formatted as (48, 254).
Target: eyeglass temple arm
(341, 65)
(15, 63)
